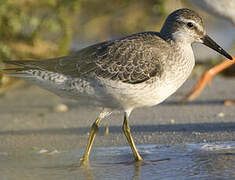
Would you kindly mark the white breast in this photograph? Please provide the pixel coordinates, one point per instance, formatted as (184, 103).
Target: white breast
(157, 89)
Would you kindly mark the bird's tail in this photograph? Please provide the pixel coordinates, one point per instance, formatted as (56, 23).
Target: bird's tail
(17, 68)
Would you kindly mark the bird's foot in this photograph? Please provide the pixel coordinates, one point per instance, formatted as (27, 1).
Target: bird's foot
(84, 161)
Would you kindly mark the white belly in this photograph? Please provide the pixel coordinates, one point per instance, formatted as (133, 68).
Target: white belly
(127, 96)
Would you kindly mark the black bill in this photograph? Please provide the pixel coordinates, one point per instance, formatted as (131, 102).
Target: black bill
(213, 45)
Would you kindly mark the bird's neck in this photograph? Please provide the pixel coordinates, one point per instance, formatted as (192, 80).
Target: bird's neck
(180, 65)
(185, 58)
(182, 49)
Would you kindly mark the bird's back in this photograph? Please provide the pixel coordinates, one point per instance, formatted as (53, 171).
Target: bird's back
(131, 59)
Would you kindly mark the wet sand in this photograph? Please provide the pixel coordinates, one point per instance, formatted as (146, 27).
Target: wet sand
(29, 120)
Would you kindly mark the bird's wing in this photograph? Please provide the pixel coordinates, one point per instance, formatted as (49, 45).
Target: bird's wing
(132, 59)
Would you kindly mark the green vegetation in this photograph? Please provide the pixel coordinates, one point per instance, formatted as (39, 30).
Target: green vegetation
(35, 29)
(29, 28)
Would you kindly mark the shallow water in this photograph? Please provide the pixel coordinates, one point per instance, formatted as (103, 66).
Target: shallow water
(184, 161)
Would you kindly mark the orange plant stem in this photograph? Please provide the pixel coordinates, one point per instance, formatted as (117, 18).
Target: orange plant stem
(206, 78)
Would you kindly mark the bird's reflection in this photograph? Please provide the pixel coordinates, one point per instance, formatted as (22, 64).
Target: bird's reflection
(87, 172)
(137, 170)
(90, 173)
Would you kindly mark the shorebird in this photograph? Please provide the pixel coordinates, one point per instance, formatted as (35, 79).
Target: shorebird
(226, 10)
(138, 70)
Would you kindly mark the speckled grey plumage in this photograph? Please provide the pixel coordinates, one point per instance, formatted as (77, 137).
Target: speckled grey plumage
(138, 70)
(132, 59)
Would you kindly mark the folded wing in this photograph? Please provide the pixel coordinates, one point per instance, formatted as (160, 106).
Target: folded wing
(132, 59)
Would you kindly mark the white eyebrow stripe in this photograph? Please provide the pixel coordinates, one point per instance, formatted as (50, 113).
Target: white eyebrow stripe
(192, 21)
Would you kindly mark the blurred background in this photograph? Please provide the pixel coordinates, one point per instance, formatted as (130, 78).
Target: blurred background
(31, 29)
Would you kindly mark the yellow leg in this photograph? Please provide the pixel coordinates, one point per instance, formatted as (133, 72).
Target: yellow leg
(127, 131)
(93, 132)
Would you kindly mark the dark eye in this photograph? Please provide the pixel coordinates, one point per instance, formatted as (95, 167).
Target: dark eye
(190, 25)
